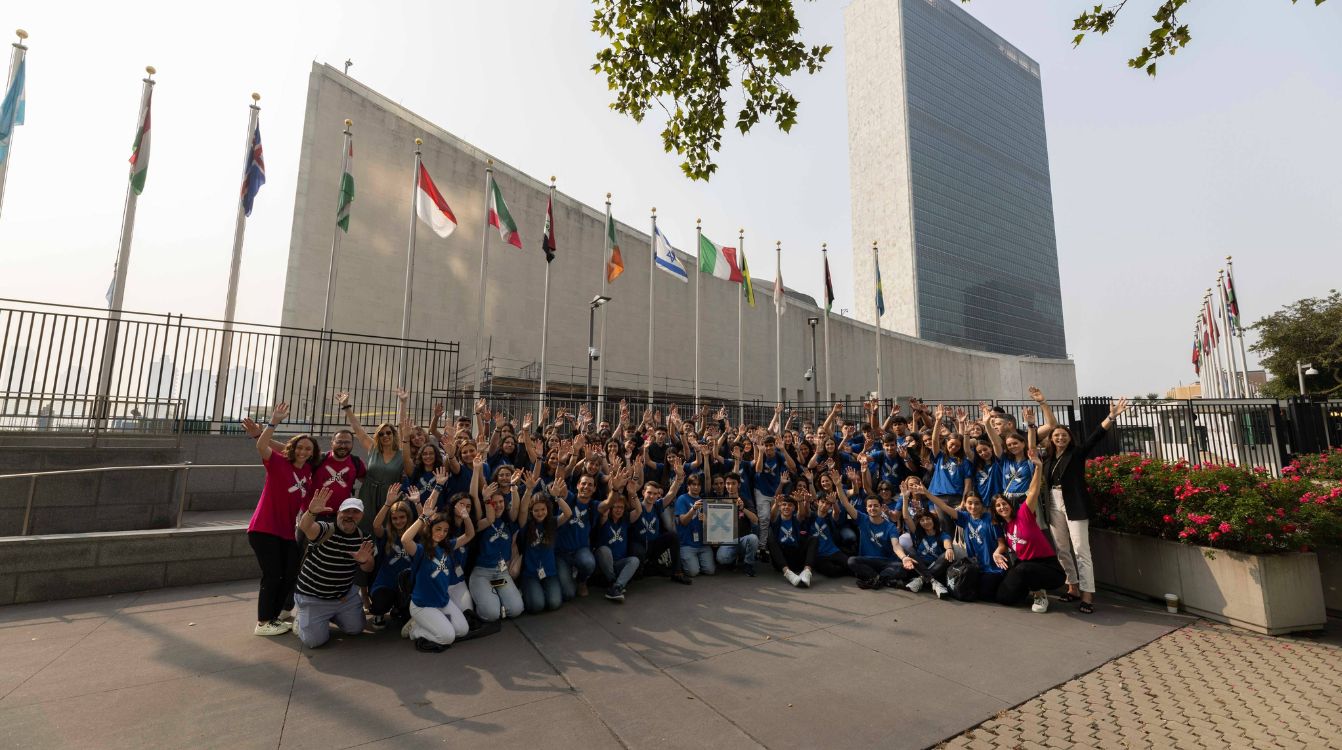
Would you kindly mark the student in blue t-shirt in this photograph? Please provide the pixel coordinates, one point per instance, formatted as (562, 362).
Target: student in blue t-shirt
(985, 473)
(1014, 467)
(391, 522)
(540, 571)
(574, 552)
(791, 549)
(650, 539)
(829, 559)
(770, 463)
(950, 469)
(435, 620)
(932, 555)
(613, 534)
(980, 536)
(875, 564)
(695, 556)
(492, 584)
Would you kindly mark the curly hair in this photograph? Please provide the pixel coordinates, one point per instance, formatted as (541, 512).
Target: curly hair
(291, 448)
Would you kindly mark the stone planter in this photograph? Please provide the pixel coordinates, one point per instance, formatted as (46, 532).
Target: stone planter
(1271, 594)
(1330, 568)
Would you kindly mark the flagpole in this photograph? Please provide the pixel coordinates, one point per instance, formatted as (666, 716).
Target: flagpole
(20, 51)
(601, 363)
(409, 271)
(1239, 327)
(484, 265)
(122, 263)
(1226, 391)
(876, 260)
(1210, 323)
(778, 325)
(824, 253)
(545, 304)
(327, 335)
(234, 269)
(740, 369)
(1229, 337)
(652, 268)
(698, 251)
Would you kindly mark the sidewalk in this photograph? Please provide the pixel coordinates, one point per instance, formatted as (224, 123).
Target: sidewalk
(729, 662)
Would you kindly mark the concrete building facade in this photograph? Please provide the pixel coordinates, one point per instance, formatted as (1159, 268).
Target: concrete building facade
(949, 169)
(371, 279)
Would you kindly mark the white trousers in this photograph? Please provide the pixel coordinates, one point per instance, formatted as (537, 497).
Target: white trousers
(1072, 539)
(442, 626)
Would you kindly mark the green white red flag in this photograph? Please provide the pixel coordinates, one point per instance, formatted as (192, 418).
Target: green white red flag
(500, 218)
(139, 156)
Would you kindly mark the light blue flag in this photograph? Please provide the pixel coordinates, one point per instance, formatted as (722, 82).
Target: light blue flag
(11, 112)
(666, 258)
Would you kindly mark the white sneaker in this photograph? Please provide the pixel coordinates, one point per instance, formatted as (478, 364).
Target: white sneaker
(791, 577)
(915, 585)
(1040, 605)
(805, 578)
(405, 629)
(274, 627)
(940, 589)
(288, 615)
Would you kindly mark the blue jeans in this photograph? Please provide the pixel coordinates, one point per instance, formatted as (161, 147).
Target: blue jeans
(315, 616)
(618, 572)
(579, 562)
(541, 595)
(694, 560)
(745, 549)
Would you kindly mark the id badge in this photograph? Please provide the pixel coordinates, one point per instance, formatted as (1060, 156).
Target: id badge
(503, 565)
(696, 537)
(540, 574)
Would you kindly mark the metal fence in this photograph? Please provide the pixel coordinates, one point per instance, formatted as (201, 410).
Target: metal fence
(81, 370)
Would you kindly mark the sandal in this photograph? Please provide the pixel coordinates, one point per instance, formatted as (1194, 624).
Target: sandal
(1069, 598)
(1087, 608)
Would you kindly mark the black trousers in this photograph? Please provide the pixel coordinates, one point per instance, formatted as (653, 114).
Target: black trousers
(869, 568)
(383, 602)
(1030, 575)
(663, 542)
(797, 557)
(278, 559)
(936, 571)
(834, 565)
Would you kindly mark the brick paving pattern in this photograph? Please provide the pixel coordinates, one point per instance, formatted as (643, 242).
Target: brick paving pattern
(1204, 686)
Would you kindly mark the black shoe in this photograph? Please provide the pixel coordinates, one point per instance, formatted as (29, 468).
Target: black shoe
(750, 570)
(615, 594)
(868, 583)
(429, 647)
(682, 578)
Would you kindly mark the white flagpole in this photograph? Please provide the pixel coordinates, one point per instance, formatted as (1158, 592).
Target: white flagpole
(698, 251)
(1229, 338)
(122, 265)
(484, 266)
(1209, 322)
(601, 363)
(740, 368)
(327, 336)
(876, 259)
(1239, 328)
(1226, 392)
(409, 272)
(20, 51)
(545, 304)
(234, 270)
(778, 324)
(652, 269)
(824, 253)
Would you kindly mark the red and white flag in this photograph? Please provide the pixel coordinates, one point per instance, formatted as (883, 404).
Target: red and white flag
(430, 206)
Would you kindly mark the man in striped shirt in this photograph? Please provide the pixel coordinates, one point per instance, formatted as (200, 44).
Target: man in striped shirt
(326, 591)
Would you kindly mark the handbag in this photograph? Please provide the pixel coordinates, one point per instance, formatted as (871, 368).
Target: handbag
(962, 578)
(958, 545)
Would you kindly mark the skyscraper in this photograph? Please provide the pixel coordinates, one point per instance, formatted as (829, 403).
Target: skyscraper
(949, 171)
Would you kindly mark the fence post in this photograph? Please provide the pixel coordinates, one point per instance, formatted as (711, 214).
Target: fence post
(183, 476)
(1194, 455)
(28, 508)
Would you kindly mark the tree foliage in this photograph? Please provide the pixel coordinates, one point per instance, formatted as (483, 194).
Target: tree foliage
(1308, 331)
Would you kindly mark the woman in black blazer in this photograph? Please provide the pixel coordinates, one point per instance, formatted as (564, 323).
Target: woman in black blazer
(1070, 506)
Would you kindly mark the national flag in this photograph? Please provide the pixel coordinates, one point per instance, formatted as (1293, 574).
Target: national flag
(880, 296)
(779, 302)
(430, 206)
(829, 285)
(614, 261)
(748, 288)
(548, 236)
(1197, 355)
(255, 175)
(500, 218)
(346, 187)
(139, 156)
(12, 110)
(665, 256)
(1232, 304)
(718, 260)
(1213, 330)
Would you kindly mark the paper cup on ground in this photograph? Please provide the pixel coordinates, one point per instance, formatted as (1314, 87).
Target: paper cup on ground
(1172, 603)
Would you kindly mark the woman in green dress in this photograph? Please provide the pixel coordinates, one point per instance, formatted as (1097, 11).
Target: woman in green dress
(387, 462)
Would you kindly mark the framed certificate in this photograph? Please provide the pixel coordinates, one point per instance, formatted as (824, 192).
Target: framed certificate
(719, 523)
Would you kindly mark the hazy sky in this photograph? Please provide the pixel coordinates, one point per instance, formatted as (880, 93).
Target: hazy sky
(1154, 180)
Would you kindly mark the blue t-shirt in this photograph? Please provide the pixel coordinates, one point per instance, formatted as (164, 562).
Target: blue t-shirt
(1015, 476)
(981, 536)
(391, 565)
(987, 480)
(822, 528)
(948, 475)
(875, 538)
(461, 481)
(691, 534)
(576, 534)
(650, 523)
(615, 534)
(496, 544)
(787, 532)
(435, 572)
(769, 474)
(929, 547)
(537, 557)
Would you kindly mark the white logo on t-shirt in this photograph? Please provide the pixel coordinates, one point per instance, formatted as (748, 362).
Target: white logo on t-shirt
(337, 477)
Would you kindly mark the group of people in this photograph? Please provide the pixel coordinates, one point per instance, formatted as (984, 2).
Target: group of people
(447, 529)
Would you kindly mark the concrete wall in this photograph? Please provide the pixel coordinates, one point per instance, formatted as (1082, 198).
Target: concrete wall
(42, 568)
(372, 274)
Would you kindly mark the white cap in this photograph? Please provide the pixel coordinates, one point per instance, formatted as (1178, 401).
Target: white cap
(352, 503)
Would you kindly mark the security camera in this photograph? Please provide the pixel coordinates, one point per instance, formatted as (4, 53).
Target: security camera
(594, 353)
(810, 373)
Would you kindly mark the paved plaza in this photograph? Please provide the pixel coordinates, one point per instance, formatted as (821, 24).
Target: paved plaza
(730, 662)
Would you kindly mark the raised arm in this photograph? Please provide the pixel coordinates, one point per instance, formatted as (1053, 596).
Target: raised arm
(265, 441)
(307, 523)
(1050, 421)
(353, 421)
(993, 437)
(1036, 481)
(937, 439)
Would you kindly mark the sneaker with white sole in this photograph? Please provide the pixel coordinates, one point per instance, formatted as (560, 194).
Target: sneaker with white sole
(791, 577)
(378, 622)
(805, 578)
(1040, 605)
(288, 615)
(274, 627)
(940, 589)
(405, 629)
(915, 585)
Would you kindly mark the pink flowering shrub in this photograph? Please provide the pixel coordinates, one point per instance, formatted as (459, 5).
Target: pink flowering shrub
(1221, 506)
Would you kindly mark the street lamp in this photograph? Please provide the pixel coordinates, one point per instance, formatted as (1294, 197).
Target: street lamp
(1301, 370)
(811, 374)
(592, 354)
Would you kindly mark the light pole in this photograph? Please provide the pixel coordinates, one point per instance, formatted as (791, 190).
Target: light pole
(592, 354)
(1301, 370)
(815, 376)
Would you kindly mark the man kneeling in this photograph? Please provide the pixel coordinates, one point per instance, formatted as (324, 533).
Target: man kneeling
(326, 591)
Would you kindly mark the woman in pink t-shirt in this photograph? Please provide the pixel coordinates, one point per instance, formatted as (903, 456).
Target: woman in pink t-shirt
(286, 493)
(1036, 568)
